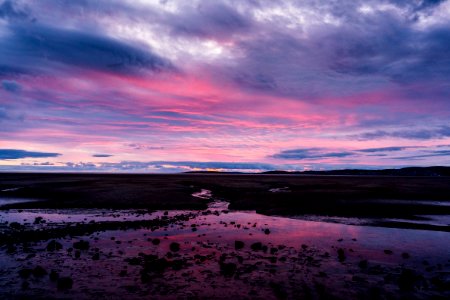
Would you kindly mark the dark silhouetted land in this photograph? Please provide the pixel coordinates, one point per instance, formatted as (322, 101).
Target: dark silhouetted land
(281, 194)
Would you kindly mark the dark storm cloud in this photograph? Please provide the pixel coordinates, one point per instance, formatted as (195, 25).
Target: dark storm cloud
(36, 46)
(310, 153)
(17, 154)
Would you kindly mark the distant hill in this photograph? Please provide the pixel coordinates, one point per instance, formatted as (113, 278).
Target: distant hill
(410, 171)
(212, 172)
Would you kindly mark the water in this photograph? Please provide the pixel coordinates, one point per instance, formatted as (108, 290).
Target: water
(6, 201)
(210, 234)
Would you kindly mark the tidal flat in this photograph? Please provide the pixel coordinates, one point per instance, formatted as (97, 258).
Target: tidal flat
(85, 236)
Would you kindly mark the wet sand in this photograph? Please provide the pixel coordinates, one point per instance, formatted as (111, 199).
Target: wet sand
(65, 247)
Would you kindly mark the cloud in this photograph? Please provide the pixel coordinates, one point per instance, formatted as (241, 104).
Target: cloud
(435, 153)
(214, 20)
(383, 149)
(137, 146)
(102, 155)
(310, 153)
(11, 86)
(417, 134)
(17, 154)
(9, 10)
(42, 48)
(155, 166)
(231, 76)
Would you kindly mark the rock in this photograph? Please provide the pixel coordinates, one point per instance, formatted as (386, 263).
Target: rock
(304, 247)
(64, 283)
(25, 273)
(256, 246)
(16, 225)
(53, 275)
(322, 274)
(405, 255)
(359, 279)
(341, 255)
(178, 264)
(39, 271)
(388, 252)
(267, 231)
(363, 264)
(174, 247)
(279, 290)
(240, 259)
(238, 245)
(96, 256)
(38, 220)
(134, 261)
(407, 280)
(81, 245)
(228, 269)
(441, 282)
(156, 241)
(145, 277)
(156, 265)
(54, 246)
(77, 254)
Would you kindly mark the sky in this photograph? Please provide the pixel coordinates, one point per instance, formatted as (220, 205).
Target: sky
(170, 86)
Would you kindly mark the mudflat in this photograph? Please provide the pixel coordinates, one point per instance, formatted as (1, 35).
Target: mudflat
(351, 196)
(221, 236)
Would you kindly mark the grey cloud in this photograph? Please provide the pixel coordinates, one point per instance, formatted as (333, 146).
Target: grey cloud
(419, 134)
(17, 154)
(208, 20)
(10, 10)
(310, 153)
(11, 86)
(102, 155)
(383, 149)
(435, 153)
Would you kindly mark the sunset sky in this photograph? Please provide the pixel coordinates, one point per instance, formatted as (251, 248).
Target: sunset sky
(231, 85)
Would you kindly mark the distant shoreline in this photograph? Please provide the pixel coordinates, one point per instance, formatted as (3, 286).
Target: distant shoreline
(432, 171)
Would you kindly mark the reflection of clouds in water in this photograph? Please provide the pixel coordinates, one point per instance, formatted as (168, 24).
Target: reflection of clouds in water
(283, 230)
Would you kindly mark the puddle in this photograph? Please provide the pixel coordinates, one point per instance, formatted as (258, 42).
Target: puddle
(203, 194)
(280, 190)
(6, 201)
